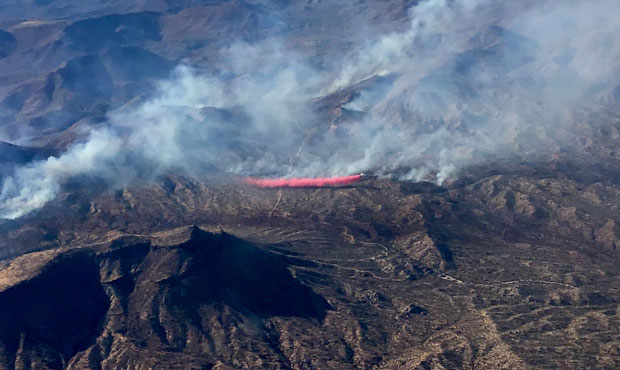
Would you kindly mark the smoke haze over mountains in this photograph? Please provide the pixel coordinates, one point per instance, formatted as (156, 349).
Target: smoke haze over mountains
(466, 81)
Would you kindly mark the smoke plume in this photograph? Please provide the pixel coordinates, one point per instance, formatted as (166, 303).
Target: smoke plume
(466, 81)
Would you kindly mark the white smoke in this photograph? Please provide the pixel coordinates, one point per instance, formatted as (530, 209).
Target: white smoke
(473, 80)
(180, 128)
(468, 80)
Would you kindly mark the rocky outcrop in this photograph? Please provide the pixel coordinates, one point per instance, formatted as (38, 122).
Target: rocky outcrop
(358, 277)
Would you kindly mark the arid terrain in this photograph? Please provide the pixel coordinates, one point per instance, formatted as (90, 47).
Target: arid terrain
(511, 264)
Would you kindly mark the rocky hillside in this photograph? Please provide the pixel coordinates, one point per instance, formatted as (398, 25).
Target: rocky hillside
(512, 264)
(509, 271)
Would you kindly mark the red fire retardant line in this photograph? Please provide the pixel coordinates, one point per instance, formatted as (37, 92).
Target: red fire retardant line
(302, 182)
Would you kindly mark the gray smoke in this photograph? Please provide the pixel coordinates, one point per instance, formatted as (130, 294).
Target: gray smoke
(467, 81)
(477, 79)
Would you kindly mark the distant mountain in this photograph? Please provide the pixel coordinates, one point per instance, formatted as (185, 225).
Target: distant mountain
(510, 264)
